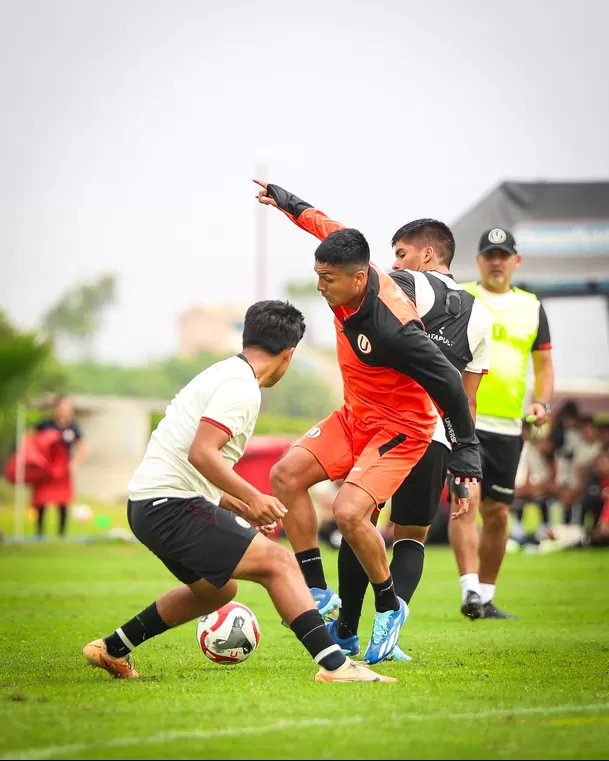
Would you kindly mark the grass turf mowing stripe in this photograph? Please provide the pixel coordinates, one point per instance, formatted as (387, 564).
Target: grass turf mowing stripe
(163, 737)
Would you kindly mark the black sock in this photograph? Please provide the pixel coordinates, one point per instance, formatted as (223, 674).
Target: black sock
(145, 625)
(63, 517)
(407, 567)
(311, 631)
(352, 585)
(40, 521)
(312, 568)
(385, 597)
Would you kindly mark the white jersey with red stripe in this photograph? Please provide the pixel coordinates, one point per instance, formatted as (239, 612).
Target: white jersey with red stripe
(227, 395)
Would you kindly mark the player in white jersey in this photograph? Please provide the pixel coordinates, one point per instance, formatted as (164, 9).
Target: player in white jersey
(461, 327)
(206, 523)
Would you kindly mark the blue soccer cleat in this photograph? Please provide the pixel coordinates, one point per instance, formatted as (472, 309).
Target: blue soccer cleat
(397, 654)
(385, 633)
(327, 601)
(348, 645)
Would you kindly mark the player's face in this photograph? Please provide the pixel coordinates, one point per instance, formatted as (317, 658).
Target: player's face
(409, 256)
(64, 412)
(497, 268)
(340, 287)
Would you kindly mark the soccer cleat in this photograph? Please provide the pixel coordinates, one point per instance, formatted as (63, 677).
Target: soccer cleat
(472, 605)
(327, 601)
(348, 645)
(397, 654)
(490, 611)
(385, 633)
(351, 672)
(96, 654)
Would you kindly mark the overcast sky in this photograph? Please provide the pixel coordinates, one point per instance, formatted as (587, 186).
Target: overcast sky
(130, 129)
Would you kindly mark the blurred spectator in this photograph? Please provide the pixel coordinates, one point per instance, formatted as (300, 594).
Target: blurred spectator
(564, 429)
(535, 483)
(575, 465)
(57, 488)
(595, 502)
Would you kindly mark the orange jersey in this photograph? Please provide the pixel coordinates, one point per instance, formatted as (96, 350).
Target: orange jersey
(376, 394)
(391, 369)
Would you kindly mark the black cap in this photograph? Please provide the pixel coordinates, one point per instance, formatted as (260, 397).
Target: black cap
(499, 238)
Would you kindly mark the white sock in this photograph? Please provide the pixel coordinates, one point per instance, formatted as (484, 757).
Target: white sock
(487, 593)
(469, 583)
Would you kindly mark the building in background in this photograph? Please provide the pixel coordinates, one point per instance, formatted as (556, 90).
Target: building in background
(216, 328)
(562, 232)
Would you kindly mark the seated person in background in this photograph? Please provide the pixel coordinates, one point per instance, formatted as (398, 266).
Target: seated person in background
(595, 502)
(535, 483)
(574, 473)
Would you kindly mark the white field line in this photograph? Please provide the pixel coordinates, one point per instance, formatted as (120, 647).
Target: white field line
(50, 751)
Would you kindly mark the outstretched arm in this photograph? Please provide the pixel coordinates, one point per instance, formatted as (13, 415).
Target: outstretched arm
(298, 211)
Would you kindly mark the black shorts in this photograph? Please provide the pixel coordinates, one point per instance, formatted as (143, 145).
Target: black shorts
(416, 501)
(194, 538)
(500, 458)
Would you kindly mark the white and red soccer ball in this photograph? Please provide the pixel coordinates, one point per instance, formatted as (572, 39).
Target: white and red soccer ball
(229, 634)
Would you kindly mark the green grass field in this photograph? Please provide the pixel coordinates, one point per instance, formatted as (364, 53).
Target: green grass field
(534, 688)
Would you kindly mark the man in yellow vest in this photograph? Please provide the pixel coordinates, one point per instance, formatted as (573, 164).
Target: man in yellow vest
(520, 329)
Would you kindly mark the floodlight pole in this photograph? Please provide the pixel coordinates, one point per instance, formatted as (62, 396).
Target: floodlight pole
(261, 240)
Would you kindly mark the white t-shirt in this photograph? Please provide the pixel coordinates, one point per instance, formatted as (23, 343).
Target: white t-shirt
(227, 394)
(533, 466)
(479, 330)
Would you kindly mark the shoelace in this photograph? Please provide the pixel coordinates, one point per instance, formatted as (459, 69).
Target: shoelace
(381, 626)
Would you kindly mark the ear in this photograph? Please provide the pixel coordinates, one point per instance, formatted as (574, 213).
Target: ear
(518, 260)
(428, 253)
(286, 355)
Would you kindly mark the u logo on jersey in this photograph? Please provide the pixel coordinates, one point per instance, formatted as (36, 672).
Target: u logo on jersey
(363, 344)
(499, 333)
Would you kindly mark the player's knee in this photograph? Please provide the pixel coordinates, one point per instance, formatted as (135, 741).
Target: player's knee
(495, 514)
(281, 562)
(346, 518)
(285, 476)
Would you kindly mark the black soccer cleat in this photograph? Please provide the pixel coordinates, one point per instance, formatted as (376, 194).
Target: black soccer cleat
(490, 611)
(472, 605)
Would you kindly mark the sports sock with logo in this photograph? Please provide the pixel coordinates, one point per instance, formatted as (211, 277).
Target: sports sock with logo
(312, 568)
(145, 625)
(385, 597)
(311, 631)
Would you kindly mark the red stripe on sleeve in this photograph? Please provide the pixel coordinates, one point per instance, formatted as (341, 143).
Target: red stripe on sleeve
(221, 426)
(544, 347)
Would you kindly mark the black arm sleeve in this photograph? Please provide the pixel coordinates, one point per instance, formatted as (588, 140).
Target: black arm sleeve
(542, 339)
(405, 280)
(287, 201)
(412, 352)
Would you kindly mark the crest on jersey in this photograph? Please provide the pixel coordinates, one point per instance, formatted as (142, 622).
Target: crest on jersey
(497, 235)
(363, 344)
(314, 433)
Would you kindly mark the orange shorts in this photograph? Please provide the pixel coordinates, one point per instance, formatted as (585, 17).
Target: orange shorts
(375, 459)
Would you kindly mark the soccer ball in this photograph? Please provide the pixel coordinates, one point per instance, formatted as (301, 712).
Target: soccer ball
(229, 634)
